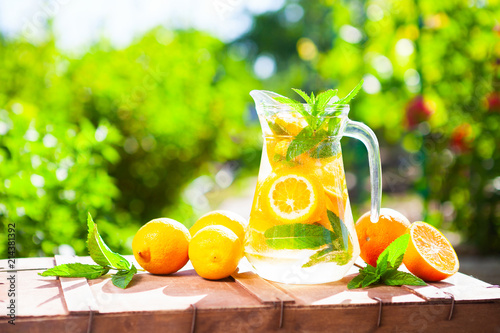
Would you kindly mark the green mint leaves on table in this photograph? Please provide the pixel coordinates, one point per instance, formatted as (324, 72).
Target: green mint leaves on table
(76, 270)
(103, 256)
(100, 252)
(123, 277)
(316, 114)
(386, 271)
(296, 236)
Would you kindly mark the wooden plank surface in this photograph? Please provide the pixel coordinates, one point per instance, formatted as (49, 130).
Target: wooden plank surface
(477, 317)
(467, 288)
(35, 295)
(428, 292)
(336, 293)
(152, 302)
(174, 292)
(76, 291)
(30, 263)
(263, 290)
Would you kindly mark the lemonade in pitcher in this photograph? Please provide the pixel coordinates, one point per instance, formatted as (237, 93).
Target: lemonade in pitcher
(301, 228)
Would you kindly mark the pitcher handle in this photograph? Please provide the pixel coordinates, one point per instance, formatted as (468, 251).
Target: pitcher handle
(360, 131)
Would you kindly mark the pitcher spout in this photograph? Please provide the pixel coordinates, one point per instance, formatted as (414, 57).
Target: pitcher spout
(264, 98)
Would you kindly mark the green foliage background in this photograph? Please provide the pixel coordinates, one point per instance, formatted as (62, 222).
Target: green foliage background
(118, 133)
(122, 132)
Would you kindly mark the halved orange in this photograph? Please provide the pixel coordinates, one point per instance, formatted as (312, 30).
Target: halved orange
(290, 196)
(429, 255)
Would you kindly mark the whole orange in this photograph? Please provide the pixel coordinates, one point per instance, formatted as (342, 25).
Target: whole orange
(429, 255)
(375, 237)
(161, 246)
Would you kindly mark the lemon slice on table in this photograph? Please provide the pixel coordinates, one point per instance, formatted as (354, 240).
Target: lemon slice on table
(292, 197)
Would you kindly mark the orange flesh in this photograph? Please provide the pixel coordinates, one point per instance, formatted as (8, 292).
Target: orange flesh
(434, 247)
(291, 195)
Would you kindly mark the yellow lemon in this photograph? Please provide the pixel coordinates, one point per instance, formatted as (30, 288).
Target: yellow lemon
(233, 221)
(161, 246)
(215, 252)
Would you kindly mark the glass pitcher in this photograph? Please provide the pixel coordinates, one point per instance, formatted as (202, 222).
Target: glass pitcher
(301, 228)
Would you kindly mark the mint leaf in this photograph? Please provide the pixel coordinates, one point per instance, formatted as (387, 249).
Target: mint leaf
(351, 95)
(103, 256)
(340, 230)
(397, 278)
(315, 116)
(394, 253)
(329, 254)
(383, 265)
(337, 250)
(322, 100)
(76, 270)
(298, 236)
(123, 277)
(370, 278)
(306, 98)
(297, 106)
(387, 267)
(334, 125)
(100, 252)
(356, 281)
(277, 129)
(300, 144)
(369, 269)
(325, 149)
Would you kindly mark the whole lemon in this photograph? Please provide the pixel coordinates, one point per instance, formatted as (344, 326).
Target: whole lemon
(215, 252)
(228, 219)
(161, 246)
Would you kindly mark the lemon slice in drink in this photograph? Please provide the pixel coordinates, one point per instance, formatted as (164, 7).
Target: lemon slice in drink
(292, 197)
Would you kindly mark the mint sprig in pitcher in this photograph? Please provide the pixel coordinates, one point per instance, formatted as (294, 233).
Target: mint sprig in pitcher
(301, 228)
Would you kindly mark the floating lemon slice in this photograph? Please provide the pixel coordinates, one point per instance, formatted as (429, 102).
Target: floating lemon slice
(292, 197)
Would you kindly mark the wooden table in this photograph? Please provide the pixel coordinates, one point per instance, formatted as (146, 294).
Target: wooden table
(184, 302)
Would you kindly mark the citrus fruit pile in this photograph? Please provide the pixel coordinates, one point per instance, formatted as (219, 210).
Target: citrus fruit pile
(429, 255)
(217, 244)
(214, 244)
